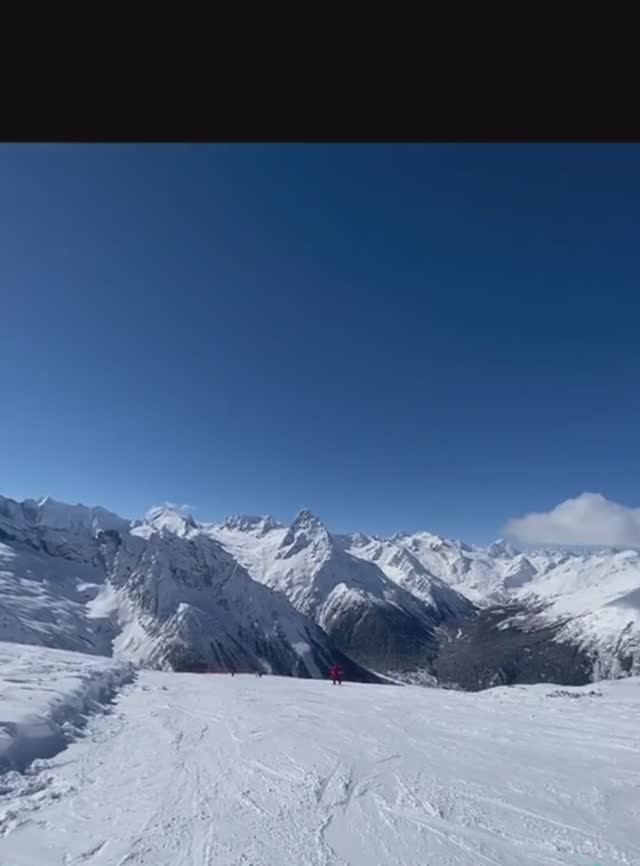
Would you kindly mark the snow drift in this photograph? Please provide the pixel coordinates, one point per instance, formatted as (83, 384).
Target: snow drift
(46, 697)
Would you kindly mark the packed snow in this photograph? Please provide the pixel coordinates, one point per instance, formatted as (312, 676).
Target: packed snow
(213, 769)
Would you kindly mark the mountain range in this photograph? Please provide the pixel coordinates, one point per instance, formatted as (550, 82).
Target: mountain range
(251, 594)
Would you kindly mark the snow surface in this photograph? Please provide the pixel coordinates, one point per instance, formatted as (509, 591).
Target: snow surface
(45, 696)
(195, 770)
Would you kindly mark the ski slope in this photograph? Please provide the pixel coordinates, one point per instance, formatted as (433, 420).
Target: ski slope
(214, 770)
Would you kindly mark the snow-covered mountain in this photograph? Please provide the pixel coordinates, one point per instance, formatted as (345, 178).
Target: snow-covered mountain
(432, 579)
(595, 599)
(572, 615)
(252, 593)
(591, 597)
(478, 573)
(370, 614)
(159, 591)
(542, 614)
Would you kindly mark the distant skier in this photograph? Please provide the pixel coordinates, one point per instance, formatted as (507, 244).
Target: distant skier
(335, 672)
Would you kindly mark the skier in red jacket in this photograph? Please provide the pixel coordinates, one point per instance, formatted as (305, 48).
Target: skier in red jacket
(335, 672)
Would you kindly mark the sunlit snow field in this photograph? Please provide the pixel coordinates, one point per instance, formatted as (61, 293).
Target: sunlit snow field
(212, 769)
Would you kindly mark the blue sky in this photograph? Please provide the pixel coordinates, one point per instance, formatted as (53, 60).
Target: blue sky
(396, 336)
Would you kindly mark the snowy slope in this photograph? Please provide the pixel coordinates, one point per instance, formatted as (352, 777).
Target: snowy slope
(373, 617)
(44, 600)
(45, 698)
(50, 573)
(191, 770)
(253, 541)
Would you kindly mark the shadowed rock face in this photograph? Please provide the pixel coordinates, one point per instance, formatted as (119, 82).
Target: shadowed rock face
(478, 653)
(385, 638)
(281, 662)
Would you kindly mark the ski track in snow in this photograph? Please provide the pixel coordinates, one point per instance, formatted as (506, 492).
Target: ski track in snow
(210, 770)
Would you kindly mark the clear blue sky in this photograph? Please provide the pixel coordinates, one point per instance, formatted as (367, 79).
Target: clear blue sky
(409, 336)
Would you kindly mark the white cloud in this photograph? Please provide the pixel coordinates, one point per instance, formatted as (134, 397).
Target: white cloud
(588, 519)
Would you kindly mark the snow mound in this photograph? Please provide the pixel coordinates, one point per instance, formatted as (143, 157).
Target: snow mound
(46, 696)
